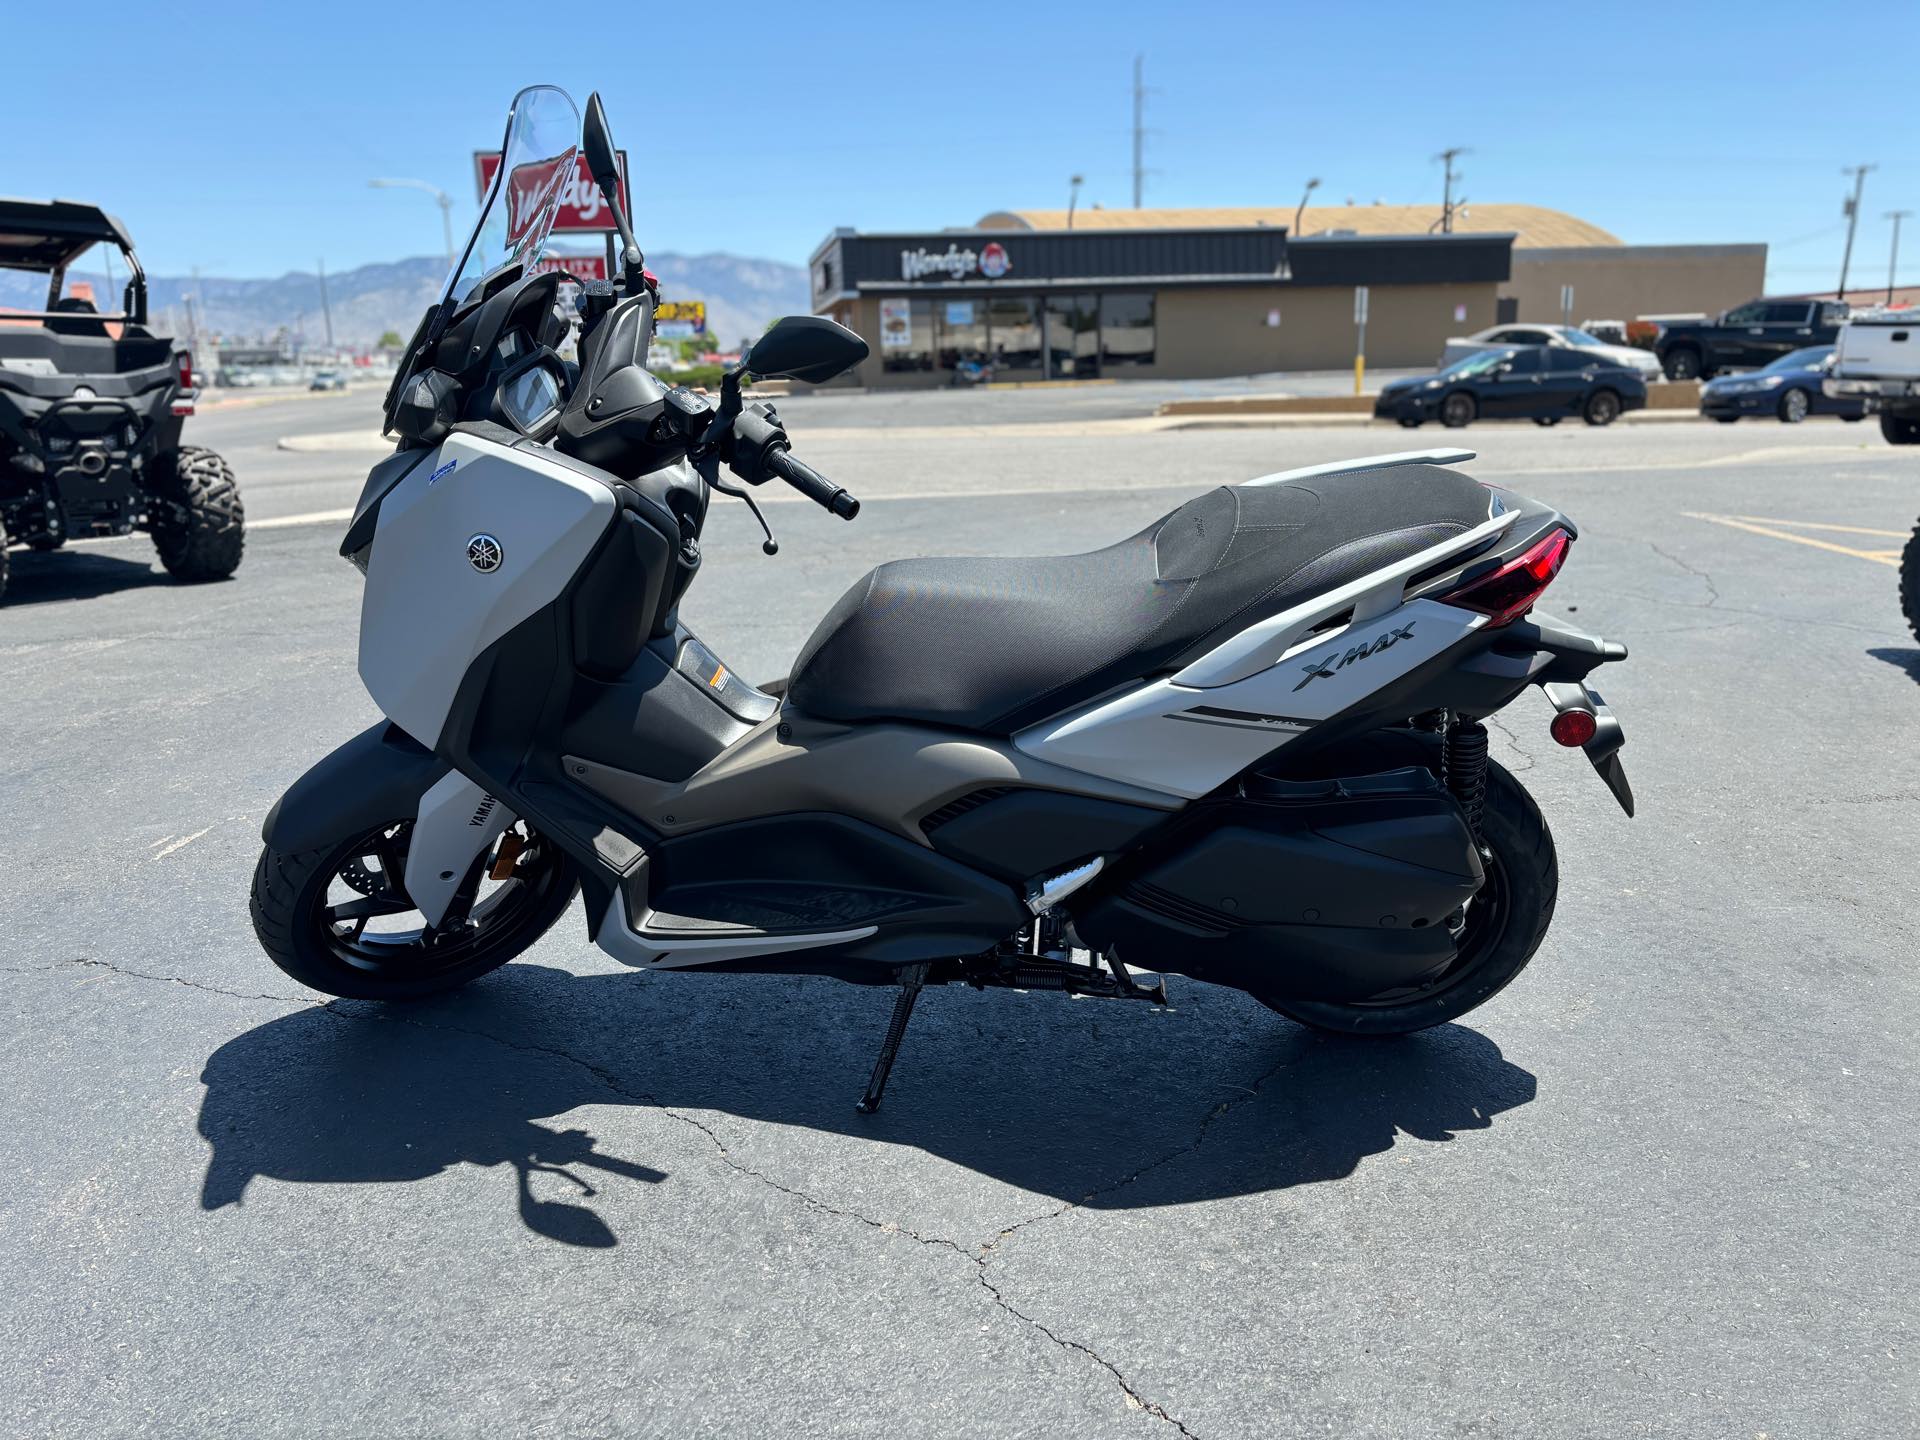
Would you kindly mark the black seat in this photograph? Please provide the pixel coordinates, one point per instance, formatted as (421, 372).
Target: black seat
(996, 644)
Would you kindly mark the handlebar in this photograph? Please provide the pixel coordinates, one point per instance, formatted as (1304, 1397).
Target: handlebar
(812, 484)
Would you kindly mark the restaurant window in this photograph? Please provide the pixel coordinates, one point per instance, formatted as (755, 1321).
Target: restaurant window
(1073, 337)
(1013, 330)
(906, 334)
(1126, 329)
(961, 338)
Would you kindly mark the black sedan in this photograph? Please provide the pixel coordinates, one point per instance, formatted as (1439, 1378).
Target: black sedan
(1541, 383)
(1789, 388)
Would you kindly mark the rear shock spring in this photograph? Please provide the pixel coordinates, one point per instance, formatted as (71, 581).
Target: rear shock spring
(1465, 762)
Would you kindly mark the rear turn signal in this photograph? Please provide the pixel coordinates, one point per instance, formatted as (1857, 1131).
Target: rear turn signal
(183, 400)
(1573, 728)
(1510, 591)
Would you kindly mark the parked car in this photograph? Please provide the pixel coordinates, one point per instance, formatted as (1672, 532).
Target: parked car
(1789, 388)
(1746, 337)
(327, 380)
(1642, 362)
(1542, 383)
(1877, 361)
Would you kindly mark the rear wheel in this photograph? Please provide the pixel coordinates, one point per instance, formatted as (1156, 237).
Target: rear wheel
(1795, 406)
(1682, 364)
(1546, 421)
(1495, 935)
(1409, 422)
(1458, 409)
(1910, 582)
(198, 523)
(1602, 408)
(1898, 430)
(1727, 419)
(339, 919)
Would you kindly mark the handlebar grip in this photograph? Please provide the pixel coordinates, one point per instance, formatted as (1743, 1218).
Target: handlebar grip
(815, 486)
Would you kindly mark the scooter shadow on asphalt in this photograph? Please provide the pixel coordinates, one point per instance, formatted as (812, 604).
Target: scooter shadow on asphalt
(1121, 1110)
(1907, 660)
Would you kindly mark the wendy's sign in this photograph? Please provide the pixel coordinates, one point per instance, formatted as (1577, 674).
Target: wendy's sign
(582, 207)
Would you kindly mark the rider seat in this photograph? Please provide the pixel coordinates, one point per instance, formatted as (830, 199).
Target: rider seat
(994, 644)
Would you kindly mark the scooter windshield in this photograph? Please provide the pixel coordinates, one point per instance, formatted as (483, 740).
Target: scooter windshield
(535, 171)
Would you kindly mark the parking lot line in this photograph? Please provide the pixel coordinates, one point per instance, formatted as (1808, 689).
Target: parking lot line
(1815, 525)
(1736, 522)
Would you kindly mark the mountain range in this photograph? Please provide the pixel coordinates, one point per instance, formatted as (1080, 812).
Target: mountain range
(742, 296)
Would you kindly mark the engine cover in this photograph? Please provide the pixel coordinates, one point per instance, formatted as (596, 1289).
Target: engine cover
(1314, 890)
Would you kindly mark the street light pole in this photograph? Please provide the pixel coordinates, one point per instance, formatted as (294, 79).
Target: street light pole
(1852, 207)
(1893, 260)
(1073, 196)
(1301, 208)
(1447, 157)
(444, 200)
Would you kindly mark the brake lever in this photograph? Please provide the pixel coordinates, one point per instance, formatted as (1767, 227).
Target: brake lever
(710, 469)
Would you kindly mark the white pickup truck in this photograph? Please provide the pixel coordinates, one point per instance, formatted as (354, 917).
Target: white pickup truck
(1877, 359)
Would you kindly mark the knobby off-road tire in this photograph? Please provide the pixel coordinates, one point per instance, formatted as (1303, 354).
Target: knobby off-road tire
(198, 523)
(1910, 581)
(290, 900)
(1515, 907)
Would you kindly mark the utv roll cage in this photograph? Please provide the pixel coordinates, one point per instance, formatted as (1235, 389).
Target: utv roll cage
(48, 235)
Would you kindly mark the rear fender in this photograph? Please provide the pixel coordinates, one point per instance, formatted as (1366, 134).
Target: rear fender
(379, 775)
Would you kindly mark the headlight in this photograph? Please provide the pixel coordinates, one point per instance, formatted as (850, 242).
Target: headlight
(1770, 382)
(1433, 384)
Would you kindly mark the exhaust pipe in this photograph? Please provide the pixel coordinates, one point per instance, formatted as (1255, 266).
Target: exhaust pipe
(92, 462)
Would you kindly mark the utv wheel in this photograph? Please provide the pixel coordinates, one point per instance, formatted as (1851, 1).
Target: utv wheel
(1458, 409)
(1501, 928)
(338, 919)
(1602, 408)
(1910, 582)
(1682, 364)
(197, 520)
(1899, 431)
(1795, 406)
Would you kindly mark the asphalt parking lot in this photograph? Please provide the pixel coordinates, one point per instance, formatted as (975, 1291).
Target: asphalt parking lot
(1662, 1186)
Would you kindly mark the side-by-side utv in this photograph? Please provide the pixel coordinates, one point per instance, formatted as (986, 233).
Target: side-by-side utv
(91, 409)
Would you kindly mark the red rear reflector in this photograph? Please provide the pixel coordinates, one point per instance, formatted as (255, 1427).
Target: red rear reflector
(1573, 728)
(1511, 590)
(186, 370)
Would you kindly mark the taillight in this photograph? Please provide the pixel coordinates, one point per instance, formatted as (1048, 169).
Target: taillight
(1511, 590)
(183, 400)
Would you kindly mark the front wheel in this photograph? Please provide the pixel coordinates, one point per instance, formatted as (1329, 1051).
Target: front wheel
(1602, 408)
(198, 523)
(1899, 430)
(1546, 422)
(1496, 934)
(338, 918)
(1458, 409)
(1795, 406)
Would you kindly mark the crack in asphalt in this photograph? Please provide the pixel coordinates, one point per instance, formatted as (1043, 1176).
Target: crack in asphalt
(607, 1078)
(1518, 748)
(1713, 590)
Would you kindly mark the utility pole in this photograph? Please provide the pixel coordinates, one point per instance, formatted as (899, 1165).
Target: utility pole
(1447, 157)
(1139, 131)
(1852, 209)
(1893, 260)
(325, 308)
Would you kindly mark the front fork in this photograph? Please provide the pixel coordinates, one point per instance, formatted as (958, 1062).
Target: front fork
(458, 822)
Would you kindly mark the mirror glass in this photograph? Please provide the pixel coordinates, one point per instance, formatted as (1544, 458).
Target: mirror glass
(597, 141)
(810, 348)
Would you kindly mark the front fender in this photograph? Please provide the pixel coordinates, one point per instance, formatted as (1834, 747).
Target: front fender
(379, 775)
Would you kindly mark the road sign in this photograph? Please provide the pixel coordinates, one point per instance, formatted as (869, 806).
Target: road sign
(1566, 304)
(1359, 304)
(581, 205)
(1359, 339)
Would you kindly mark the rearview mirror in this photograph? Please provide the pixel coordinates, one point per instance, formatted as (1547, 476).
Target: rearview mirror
(809, 348)
(596, 139)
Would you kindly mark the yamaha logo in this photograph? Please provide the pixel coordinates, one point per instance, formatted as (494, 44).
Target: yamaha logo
(484, 554)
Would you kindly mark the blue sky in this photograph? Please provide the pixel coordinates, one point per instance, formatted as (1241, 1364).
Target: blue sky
(770, 124)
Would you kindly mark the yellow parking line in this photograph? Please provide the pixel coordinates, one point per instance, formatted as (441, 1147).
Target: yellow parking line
(1879, 557)
(1811, 525)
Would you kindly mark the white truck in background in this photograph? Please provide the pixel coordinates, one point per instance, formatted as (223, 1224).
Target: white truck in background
(1877, 359)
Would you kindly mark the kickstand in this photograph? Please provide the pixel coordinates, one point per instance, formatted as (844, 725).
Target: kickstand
(912, 977)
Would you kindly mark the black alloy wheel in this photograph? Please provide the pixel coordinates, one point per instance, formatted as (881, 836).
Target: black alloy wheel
(1458, 409)
(1682, 364)
(339, 919)
(1795, 406)
(1602, 408)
